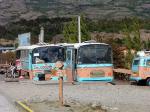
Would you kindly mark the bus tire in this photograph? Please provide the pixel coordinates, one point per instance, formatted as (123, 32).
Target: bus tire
(148, 82)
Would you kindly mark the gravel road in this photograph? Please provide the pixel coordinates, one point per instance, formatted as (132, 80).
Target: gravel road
(114, 98)
(6, 106)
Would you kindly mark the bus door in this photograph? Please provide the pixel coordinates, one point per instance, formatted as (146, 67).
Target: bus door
(70, 64)
(145, 72)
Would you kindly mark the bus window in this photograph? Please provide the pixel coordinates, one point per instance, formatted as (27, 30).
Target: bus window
(148, 63)
(39, 55)
(50, 54)
(68, 56)
(136, 62)
(94, 54)
(55, 54)
(22, 54)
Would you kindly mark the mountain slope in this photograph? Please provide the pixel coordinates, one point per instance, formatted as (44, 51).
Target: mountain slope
(13, 10)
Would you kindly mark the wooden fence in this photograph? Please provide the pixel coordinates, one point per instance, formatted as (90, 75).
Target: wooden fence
(7, 58)
(122, 74)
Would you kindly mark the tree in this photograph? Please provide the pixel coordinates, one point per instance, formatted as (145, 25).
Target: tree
(137, 44)
(127, 37)
(70, 31)
(118, 55)
(132, 40)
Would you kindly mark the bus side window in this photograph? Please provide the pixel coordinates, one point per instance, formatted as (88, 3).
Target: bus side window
(75, 58)
(22, 53)
(148, 63)
(68, 57)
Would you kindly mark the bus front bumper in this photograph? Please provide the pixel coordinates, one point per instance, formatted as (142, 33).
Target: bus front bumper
(101, 79)
(56, 78)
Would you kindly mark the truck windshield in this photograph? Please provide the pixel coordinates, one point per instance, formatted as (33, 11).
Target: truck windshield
(49, 54)
(95, 54)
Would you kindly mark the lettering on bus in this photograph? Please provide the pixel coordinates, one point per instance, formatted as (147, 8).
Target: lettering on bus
(42, 67)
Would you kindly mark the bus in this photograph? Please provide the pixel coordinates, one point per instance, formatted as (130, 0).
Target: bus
(38, 60)
(88, 62)
(141, 67)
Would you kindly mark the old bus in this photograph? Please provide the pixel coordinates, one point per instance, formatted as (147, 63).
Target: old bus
(89, 62)
(37, 60)
(141, 67)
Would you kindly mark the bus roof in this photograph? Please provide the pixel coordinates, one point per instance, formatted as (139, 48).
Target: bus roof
(77, 45)
(27, 47)
(66, 44)
(34, 46)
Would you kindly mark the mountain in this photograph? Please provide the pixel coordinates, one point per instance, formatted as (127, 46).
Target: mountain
(14, 10)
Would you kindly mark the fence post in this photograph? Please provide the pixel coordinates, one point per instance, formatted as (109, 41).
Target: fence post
(61, 91)
(59, 65)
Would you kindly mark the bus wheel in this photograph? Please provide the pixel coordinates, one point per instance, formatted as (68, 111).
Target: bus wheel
(148, 82)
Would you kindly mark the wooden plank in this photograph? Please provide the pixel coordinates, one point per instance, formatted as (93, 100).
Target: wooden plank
(121, 70)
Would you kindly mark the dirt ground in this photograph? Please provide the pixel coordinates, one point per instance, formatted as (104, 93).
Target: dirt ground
(54, 106)
(83, 97)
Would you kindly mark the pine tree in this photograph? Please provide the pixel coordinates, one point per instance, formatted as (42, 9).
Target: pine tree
(137, 44)
(132, 40)
(70, 31)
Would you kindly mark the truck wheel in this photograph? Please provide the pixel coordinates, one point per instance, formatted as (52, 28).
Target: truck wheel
(148, 82)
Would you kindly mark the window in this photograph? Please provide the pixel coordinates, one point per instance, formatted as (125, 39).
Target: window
(136, 62)
(68, 55)
(48, 54)
(148, 63)
(95, 54)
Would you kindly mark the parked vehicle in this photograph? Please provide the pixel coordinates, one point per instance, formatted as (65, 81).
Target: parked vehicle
(141, 67)
(82, 61)
(38, 60)
(88, 62)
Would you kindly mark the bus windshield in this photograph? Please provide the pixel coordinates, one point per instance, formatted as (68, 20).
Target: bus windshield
(95, 54)
(49, 54)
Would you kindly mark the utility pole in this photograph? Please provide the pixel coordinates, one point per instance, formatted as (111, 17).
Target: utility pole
(79, 30)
